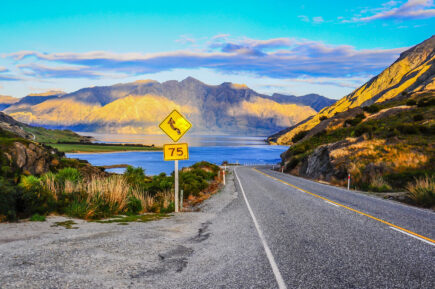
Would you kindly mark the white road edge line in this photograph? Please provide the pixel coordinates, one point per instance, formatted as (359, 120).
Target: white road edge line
(332, 204)
(410, 235)
(278, 277)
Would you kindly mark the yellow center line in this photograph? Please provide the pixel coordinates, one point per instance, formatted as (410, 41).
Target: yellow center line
(351, 209)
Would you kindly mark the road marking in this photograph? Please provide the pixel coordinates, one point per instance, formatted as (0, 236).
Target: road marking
(420, 237)
(278, 277)
(328, 202)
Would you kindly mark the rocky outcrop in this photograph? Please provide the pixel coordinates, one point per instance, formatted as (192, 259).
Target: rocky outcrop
(32, 158)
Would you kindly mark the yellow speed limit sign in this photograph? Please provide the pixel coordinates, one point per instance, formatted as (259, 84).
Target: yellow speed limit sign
(172, 152)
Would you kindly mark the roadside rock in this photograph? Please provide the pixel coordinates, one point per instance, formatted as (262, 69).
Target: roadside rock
(31, 157)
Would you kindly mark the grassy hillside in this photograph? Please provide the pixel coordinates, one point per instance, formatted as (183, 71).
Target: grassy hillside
(99, 148)
(385, 147)
(414, 71)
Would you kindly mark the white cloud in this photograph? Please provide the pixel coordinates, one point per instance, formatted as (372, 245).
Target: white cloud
(412, 9)
(275, 58)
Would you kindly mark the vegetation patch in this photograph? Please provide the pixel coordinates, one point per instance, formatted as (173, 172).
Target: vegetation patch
(37, 218)
(66, 224)
(135, 218)
(98, 148)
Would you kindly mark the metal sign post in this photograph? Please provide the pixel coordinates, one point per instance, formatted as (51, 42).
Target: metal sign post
(175, 126)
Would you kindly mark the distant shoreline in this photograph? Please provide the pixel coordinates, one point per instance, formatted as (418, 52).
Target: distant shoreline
(83, 148)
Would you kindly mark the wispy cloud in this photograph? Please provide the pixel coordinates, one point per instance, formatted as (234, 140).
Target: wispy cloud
(315, 20)
(5, 76)
(275, 58)
(412, 9)
(185, 39)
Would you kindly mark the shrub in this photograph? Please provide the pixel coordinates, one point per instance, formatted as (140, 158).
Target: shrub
(77, 209)
(37, 218)
(320, 133)
(300, 135)
(407, 129)
(9, 194)
(374, 108)
(422, 191)
(134, 176)
(68, 174)
(192, 183)
(34, 199)
(411, 102)
(323, 117)
(418, 117)
(292, 164)
(426, 102)
(134, 205)
(378, 184)
(359, 131)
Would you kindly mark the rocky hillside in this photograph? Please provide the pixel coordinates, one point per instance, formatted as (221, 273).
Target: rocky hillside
(138, 107)
(6, 101)
(39, 134)
(414, 71)
(384, 147)
(315, 101)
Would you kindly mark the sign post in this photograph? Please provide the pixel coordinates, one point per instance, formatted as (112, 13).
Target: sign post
(175, 126)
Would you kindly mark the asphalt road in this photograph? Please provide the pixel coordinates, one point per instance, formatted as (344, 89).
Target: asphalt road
(280, 233)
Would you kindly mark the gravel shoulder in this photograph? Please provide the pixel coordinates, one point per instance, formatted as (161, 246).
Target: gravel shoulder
(95, 255)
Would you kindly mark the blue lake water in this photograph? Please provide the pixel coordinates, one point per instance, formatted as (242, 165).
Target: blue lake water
(249, 150)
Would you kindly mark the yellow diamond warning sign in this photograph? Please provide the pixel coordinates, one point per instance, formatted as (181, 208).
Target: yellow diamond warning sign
(175, 125)
(177, 151)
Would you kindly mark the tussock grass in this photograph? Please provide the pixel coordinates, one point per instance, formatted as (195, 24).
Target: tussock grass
(422, 191)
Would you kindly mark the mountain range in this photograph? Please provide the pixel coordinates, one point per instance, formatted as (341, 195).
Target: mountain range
(413, 71)
(138, 107)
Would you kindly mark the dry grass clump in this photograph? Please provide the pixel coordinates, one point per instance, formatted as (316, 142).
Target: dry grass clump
(102, 196)
(378, 184)
(422, 191)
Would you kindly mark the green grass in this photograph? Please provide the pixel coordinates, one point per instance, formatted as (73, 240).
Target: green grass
(123, 220)
(37, 218)
(44, 135)
(66, 224)
(96, 148)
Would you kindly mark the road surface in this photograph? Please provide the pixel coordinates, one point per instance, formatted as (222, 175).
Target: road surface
(280, 233)
(263, 230)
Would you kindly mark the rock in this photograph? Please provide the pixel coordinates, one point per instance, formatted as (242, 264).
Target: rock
(31, 157)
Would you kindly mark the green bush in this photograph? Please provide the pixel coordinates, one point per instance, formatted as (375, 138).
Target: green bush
(292, 164)
(323, 117)
(192, 183)
(359, 131)
(101, 207)
(169, 209)
(68, 174)
(374, 108)
(134, 205)
(407, 129)
(411, 102)
(37, 218)
(426, 102)
(300, 135)
(418, 117)
(33, 198)
(9, 194)
(134, 176)
(77, 209)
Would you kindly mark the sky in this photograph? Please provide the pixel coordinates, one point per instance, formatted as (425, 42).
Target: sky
(290, 47)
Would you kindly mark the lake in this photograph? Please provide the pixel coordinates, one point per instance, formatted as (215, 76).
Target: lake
(214, 149)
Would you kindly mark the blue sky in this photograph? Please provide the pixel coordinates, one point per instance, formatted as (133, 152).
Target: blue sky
(294, 47)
